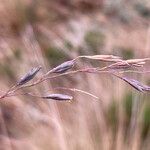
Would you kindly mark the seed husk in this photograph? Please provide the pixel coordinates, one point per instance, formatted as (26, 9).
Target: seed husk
(59, 97)
(63, 67)
(135, 84)
(29, 75)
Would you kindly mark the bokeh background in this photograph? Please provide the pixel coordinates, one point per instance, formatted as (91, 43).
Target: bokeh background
(49, 32)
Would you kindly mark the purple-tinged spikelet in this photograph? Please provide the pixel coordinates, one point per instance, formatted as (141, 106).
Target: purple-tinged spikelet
(63, 67)
(135, 84)
(59, 97)
(29, 76)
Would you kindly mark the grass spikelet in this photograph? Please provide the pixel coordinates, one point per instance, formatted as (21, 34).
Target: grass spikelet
(29, 76)
(135, 84)
(63, 67)
(59, 97)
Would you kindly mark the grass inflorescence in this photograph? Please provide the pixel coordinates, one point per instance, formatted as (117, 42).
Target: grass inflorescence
(117, 67)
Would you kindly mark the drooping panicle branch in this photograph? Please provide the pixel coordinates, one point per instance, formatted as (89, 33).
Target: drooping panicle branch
(117, 66)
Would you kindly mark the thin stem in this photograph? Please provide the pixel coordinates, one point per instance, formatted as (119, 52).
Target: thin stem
(10, 89)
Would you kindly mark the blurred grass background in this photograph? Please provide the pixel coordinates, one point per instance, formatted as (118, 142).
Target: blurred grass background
(49, 32)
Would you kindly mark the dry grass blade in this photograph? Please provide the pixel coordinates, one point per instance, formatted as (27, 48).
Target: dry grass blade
(29, 76)
(60, 97)
(137, 61)
(126, 64)
(119, 65)
(107, 58)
